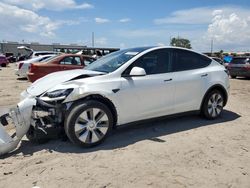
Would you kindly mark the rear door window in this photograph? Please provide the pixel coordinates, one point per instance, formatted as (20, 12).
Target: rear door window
(188, 60)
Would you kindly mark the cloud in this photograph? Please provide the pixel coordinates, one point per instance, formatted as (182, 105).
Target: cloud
(101, 20)
(228, 26)
(160, 44)
(230, 29)
(102, 41)
(21, 20)
(201, 15)
(140, 33)
(122, 45)
(18, 24)
(56, 5)
(124, 20)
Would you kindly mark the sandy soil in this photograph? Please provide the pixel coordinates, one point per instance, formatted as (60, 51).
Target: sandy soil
(176, 152)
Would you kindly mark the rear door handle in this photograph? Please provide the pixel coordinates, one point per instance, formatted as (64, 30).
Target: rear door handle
(168, 80)
(204, 75)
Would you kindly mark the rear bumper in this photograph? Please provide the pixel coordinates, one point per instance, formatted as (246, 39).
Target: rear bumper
(15, 124)
(239, 72)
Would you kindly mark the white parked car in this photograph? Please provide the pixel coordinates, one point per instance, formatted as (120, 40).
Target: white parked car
(34, 54)
(125, 86)
(23, 66)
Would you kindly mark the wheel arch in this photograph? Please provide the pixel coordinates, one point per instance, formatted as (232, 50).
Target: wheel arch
(103, 100)
(216, 87)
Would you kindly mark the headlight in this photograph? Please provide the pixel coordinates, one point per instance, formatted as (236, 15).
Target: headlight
(56, 95)
(59, 93)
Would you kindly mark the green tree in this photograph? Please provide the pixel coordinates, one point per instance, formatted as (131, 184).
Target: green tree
(181, 42)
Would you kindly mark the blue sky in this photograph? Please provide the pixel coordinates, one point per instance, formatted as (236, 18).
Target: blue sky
(128, 23)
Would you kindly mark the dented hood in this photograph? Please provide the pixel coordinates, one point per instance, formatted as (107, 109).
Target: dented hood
(45, 83)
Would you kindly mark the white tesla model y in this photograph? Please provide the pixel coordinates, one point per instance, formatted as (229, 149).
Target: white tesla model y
(125, 86)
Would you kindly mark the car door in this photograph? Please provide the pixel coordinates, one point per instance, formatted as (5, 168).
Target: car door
(191, 77)
(151, 95)
(71, 62)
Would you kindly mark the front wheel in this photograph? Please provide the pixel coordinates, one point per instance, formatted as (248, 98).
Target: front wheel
(88, 123)
(213, 105)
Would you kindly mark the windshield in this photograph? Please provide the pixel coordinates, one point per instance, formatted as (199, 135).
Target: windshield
(113, 61)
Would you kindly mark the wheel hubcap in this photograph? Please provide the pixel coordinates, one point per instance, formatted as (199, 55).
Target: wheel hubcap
(91, 125)
(215, 105)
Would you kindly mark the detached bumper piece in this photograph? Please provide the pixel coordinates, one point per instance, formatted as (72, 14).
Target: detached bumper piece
(8, 131)
(15, 124)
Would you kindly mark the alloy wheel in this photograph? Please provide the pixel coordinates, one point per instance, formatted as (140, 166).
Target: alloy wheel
(215, 105)
(91, 125)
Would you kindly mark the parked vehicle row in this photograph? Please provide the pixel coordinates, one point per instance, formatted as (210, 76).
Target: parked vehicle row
(23, 66)
(123, 87)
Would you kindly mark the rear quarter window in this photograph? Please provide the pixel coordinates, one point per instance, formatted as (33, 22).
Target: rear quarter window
(188, 60)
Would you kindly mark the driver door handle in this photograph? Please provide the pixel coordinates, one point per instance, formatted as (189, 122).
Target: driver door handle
(168, 80)
(204, 75)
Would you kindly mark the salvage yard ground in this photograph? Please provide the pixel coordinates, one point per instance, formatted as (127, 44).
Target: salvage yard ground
(176, 152)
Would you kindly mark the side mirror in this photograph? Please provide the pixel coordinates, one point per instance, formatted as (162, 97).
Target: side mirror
(137, 71)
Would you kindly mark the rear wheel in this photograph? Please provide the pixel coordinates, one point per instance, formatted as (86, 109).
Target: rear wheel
(233, 77)
(213, 104)
(3, 65)
(88, 123)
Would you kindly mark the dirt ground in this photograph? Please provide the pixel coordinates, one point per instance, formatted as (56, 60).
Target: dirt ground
(176, 152)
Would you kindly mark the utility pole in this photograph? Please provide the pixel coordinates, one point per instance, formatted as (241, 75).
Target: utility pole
(93, 39)
(212, 46)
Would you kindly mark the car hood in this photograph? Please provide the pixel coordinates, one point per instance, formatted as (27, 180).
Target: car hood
(51, 80)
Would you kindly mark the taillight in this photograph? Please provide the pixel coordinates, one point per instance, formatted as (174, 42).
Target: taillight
(20, 65)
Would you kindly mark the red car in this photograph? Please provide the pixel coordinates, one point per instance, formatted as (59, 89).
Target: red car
(58, 63)
(3, 61)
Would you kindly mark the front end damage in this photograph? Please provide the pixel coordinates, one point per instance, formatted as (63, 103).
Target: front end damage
(33, 117)
(40, 115)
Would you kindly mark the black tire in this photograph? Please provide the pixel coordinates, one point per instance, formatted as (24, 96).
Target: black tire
(3, 65)
(233, 77)
(210, 109)
(90, 129)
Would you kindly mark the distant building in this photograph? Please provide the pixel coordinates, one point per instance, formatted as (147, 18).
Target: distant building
(11, 47)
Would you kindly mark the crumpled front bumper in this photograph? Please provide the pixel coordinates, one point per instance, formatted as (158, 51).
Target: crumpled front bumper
(15, 124)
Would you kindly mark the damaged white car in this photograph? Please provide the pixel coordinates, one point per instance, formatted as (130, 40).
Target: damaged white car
(125, 86)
